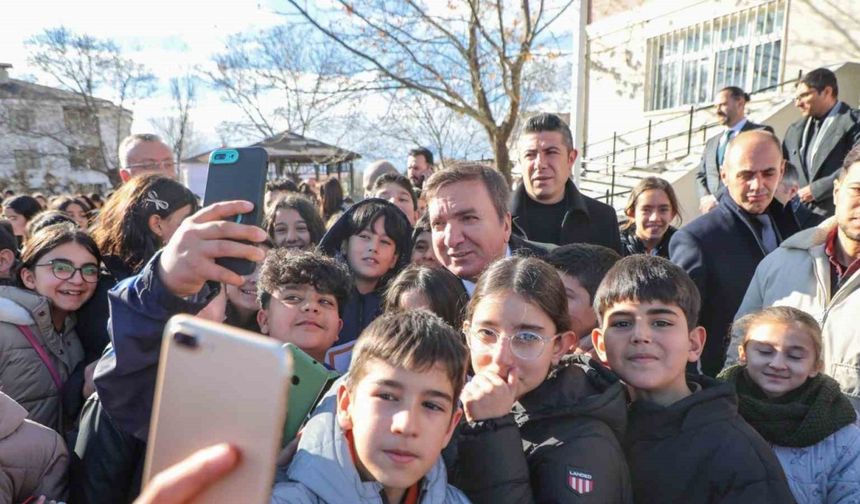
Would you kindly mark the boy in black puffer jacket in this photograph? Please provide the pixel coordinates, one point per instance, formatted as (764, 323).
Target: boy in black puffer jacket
(685, 440)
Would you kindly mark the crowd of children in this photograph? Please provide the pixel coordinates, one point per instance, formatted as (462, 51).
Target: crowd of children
(561, 378)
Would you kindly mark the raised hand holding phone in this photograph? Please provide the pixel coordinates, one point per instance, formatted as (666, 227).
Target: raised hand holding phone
(217, 383)
(238, 174)
(190, 257)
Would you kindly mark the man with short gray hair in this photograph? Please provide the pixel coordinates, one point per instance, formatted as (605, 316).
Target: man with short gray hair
(143, 153)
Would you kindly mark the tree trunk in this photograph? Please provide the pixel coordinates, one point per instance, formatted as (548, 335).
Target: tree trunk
(502, 156)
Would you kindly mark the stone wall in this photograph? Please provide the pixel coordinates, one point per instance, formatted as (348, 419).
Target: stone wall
(50, 138)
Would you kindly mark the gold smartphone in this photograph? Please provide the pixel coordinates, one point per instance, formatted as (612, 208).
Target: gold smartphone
(217, 383)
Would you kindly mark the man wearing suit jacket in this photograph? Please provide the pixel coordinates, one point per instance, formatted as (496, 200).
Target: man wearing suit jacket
(730, 110)
(786, 193)
(470, 224)
(818, 143)
(721, 249)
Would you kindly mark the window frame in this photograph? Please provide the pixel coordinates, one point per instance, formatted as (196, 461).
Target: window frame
(743, 48)
(28, 157)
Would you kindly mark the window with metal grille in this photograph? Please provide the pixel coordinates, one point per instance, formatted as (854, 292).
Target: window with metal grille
(744, 48)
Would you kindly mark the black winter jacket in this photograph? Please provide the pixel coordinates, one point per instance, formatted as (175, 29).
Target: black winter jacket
(92, 329)
(93, 315)
(700, 450)
(561, 443)
(631, 244)
(585, 221)
(107, 463)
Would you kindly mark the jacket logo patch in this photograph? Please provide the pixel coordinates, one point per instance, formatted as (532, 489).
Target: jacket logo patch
(580, 482)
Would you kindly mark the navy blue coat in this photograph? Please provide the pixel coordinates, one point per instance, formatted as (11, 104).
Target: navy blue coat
(720, 251)
(140, 306)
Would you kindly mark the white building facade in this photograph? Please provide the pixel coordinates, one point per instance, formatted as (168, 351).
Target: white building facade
(654, 67)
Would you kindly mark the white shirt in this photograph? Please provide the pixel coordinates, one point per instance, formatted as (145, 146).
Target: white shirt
(470, 286)
(734, 130)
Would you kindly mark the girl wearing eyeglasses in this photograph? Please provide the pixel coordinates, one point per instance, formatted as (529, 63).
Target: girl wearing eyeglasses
(541, 426)
(39, 348)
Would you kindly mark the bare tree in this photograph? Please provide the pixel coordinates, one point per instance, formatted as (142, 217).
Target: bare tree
(469, 56)
(178, 129)
(104, 80)
(285, 77)
(411, 119)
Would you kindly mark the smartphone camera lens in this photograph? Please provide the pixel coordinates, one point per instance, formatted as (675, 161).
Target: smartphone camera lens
(186, 340)
(220, 156)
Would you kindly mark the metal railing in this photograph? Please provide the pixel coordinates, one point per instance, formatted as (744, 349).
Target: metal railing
(644, 153)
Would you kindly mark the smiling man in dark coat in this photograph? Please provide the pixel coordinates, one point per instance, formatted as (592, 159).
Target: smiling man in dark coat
(470, 223)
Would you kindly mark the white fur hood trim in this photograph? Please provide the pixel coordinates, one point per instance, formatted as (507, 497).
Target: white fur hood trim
(13, 313)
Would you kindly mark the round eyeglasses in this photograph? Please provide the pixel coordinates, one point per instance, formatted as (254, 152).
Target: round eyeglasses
(64, 270)
(524, 344)
(163, 165)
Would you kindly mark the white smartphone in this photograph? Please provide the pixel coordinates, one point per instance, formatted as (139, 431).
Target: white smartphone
(216, 384)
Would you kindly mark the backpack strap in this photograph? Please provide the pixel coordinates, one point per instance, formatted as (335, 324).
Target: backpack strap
(55, 375)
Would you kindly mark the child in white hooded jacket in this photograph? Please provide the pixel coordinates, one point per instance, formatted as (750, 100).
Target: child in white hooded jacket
(800, 411)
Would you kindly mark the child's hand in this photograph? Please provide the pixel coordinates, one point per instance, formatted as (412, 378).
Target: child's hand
(489, 396)
(188, 259)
